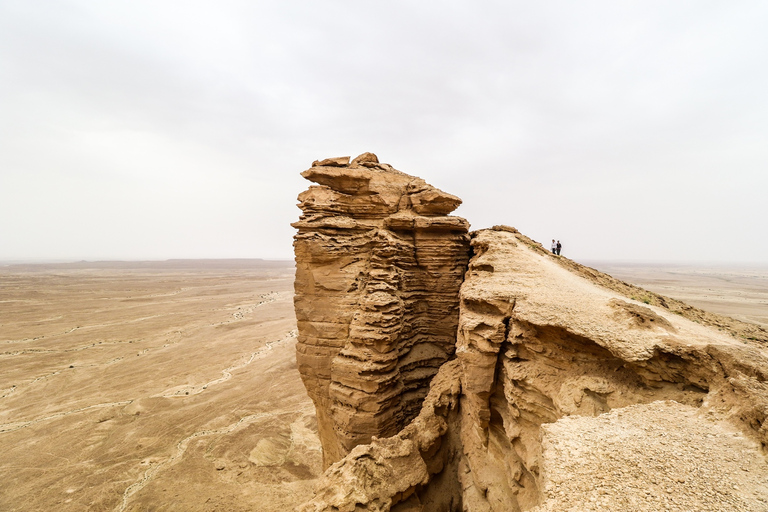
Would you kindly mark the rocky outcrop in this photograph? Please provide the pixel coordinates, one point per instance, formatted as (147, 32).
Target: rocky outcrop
(553, 362)
(379, 263)
(539, 343)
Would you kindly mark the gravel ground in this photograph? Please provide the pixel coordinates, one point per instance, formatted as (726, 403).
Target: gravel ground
(662, 456)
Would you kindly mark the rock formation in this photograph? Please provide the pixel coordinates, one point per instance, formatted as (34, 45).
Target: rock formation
(568, 390)
(378, 269)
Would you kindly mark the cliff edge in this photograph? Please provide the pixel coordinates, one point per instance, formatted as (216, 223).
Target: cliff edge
(565, 390)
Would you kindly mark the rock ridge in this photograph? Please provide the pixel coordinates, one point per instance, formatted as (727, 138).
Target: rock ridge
(550, 357)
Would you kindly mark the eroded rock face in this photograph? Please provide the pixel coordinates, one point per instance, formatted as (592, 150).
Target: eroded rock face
(542, 341)
(539, 343)
(379, 264)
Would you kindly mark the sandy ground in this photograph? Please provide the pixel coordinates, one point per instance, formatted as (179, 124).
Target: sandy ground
(173, 386)
(739, 292)
(127, 387)
(661, 456)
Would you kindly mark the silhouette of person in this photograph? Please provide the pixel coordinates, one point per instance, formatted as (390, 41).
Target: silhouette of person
(558, 247)
(554, 247)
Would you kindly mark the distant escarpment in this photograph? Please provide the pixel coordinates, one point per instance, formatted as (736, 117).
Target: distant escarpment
(379, 263)
(564, 389)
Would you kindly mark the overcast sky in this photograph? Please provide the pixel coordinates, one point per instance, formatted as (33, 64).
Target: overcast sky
(177, 129)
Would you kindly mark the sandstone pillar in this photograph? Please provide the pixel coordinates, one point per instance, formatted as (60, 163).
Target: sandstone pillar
(379, 263)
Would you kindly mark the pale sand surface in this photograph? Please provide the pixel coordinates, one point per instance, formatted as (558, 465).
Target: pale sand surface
(739, 292)
(662, 456)
(152, 387)
(173, 386)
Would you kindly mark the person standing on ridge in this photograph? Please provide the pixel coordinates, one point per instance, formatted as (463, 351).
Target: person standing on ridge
(554, 247)
(558, 247)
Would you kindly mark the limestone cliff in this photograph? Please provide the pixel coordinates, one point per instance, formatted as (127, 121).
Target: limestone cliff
(570, 390)
(378, 269)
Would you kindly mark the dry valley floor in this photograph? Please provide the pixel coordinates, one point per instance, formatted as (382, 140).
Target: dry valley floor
(128, 387)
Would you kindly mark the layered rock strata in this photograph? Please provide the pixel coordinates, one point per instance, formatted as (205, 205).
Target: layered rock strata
(542, 341)
(379, 263)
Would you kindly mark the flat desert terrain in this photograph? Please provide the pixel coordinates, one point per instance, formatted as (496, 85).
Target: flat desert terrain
(172, 386)
(167, 386)
(739, 292)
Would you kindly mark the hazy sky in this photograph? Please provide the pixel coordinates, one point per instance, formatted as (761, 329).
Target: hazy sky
(177, 129)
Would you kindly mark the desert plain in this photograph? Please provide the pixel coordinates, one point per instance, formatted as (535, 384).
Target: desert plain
(162, 386)
(740, 292)
(152, 386)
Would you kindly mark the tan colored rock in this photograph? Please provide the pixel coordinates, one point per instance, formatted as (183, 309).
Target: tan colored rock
(365, 158)
(340, 161)
(540, 341)
(378, 269)
(548, 349)
(388, 472)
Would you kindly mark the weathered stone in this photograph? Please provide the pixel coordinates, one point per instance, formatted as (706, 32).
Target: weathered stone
(339, 161)
(545, 347)
(378, 269)
(365, 158)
